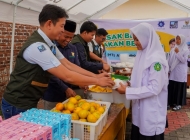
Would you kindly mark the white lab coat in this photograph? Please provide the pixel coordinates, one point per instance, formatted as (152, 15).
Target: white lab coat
(149, 102)
(179, 73)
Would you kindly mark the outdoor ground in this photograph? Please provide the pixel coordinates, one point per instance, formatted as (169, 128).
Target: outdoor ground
(179, 123)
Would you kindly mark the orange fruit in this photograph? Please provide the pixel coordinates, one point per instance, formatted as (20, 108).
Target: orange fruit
(70, 106)
(82, 100)
(78, 97)
(66, 112)
(73, 100)
(59, 106)
(93, 104)
(97, 105)
(65, 105)
(97, 114)
(85, 106)
(83, 114)
(92, 109)
(54, 110)
(83, 120)
(91, 118)
(77, 109)
(81, 103)
(101, 110)
(74, 116)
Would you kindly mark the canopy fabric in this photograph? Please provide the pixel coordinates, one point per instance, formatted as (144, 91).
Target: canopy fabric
(180, 4)
(78, 10)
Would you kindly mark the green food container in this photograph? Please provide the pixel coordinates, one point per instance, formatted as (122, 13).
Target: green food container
(121, 77)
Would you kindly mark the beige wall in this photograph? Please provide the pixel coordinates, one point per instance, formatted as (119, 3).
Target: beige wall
(144, 9)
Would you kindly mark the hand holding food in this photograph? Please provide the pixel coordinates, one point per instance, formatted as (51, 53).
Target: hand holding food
(105, 81)
(102, 74)
(70, 93)
(122, 89)
(117, 83)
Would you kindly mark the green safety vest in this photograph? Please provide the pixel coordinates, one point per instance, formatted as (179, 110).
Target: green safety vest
(28, 82)
(95, 51)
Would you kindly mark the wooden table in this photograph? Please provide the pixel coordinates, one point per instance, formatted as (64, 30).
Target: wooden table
(116, 124)
(188, 79)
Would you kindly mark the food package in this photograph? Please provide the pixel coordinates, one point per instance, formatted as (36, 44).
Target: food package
(117, 81)
(95, 88)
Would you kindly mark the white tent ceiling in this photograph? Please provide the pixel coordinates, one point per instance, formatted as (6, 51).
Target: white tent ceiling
(78, 10)
(180, 4)
(27, 11)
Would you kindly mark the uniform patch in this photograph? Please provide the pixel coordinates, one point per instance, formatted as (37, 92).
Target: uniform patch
(41, 48)
(157, 67)
(96, 48)
(72, 55)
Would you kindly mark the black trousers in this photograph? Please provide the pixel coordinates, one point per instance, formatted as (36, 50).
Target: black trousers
(135, 135)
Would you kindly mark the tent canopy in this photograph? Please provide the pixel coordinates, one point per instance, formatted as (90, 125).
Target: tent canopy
(27, 11)
(180, 4)
(78, 10)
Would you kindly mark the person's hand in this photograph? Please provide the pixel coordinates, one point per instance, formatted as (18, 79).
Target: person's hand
(70, 93)
(106, 67)
(102, 74)
(105, 81)
(104, 62)
(176, 50)
(122, 89)
(85, 88)
(100, 71)
(128, 83)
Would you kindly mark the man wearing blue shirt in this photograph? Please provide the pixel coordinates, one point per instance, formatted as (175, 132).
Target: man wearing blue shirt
(58, 90)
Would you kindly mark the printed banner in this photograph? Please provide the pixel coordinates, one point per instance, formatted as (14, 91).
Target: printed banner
(119, 40)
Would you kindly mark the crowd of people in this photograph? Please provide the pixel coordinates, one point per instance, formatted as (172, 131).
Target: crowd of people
(53, 62)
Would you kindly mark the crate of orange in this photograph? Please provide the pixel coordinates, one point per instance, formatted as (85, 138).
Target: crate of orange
(88, 116)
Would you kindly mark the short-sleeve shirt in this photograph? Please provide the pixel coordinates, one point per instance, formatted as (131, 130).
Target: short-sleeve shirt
(44, 58)
(90, 45)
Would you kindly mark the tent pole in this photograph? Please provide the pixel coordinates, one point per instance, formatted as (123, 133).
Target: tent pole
(177, 5)
(188, 8)
(74, 5)
(13, 34)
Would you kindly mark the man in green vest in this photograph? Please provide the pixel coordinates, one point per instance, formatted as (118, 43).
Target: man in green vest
(38, 60)
(95, 46)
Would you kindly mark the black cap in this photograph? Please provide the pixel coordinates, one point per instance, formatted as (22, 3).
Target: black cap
(70, 26)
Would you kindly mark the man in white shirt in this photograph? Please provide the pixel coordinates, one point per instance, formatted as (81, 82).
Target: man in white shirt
(95, 46)
(38, 60)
